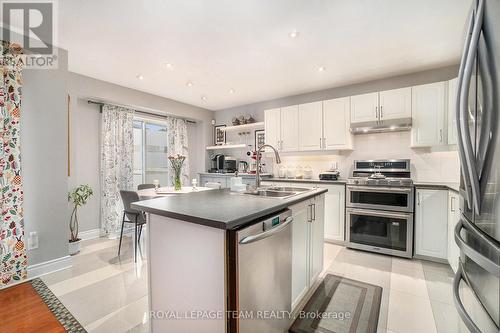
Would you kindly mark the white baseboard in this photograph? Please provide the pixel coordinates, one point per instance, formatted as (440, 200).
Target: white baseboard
(50, 266)
(89, 234)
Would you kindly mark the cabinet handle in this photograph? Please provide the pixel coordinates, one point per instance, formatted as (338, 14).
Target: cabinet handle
(418, 199)
(452, 206)
(313, 210)
(381, 112)
(376, 113)
(441, 135)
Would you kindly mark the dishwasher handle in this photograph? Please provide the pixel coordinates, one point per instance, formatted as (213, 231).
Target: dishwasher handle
(268, 233)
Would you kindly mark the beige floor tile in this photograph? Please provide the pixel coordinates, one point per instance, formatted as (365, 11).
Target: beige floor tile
(410, 281)
(447, 318)
(410, 314)
(132, 317)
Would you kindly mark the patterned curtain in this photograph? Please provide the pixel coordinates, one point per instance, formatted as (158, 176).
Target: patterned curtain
(178, 144)
(12, 250)
(117, 151)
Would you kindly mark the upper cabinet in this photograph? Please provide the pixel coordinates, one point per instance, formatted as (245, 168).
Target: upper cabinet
(336, 116)
(452, 121)
(395, 104)
(313, 126)
(272, 127)
(310, 126)
(364, 108)
(381, 106)
(428, 114)
(290, 128)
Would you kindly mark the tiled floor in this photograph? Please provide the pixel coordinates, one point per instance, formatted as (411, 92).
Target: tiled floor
(108, 294)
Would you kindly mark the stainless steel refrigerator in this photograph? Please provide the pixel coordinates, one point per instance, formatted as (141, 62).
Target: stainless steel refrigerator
(476, 285)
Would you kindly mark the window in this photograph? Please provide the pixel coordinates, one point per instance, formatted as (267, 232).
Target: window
(150, 152)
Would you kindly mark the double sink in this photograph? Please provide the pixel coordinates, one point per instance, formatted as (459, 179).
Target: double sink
(281, 192)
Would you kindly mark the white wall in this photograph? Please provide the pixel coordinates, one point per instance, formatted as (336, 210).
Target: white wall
(44, 160)
(427, 165)
(85, 136)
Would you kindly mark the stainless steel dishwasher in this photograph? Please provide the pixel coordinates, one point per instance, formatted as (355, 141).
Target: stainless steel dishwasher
(264, 274)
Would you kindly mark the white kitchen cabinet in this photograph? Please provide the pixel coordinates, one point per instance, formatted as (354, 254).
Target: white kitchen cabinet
(300, 251)
(431, 223)
(334, 213)
(364, 107)
(290, 128)
(310, 126)
(395, 104)
(453, 219)
(452, 122)
(317, 237)
(336, 123)
(272, 127)
(428, 114)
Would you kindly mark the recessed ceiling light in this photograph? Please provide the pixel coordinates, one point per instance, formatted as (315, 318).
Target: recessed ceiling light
(321, 68)
(189, 84)
(140, 76)
(204, 97)
(166, 65)
(293, 34)
(232, 91)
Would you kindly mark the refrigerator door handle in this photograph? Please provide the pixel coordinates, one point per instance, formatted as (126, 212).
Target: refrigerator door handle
(463, 164)
(484, 262)
(487, 137)
(458, 302)
(464, 102)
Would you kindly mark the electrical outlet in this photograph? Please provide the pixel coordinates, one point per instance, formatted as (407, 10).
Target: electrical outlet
(33, 240)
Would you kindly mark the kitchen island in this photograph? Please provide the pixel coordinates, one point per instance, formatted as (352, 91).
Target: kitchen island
(195, 276)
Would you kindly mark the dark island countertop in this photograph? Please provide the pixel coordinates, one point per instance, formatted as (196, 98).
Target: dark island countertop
(220, 209)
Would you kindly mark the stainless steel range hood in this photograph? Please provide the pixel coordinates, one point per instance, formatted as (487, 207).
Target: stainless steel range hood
(390, 125)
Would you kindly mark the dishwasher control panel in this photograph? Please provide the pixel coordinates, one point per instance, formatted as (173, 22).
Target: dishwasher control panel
(276, 220)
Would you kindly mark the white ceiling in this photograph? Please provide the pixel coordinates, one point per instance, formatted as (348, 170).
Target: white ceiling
(245, 45)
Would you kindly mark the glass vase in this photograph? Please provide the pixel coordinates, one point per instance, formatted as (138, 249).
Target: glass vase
(177, 181)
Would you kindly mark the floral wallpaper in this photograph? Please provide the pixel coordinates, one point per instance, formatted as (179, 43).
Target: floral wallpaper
(13, 258)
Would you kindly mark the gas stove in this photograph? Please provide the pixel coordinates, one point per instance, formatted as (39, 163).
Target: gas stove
(386, 181)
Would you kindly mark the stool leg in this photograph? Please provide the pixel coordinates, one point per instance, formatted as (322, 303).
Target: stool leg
(135, 243)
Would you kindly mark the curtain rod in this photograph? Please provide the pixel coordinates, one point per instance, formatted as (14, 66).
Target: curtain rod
(140, 112)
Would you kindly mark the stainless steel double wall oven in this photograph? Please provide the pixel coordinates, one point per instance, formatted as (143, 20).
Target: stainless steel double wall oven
(379, 207)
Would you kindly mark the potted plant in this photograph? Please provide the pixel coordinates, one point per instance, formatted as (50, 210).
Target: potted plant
(78, 197)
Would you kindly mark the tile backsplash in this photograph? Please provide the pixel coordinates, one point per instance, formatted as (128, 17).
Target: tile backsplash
(426, 164)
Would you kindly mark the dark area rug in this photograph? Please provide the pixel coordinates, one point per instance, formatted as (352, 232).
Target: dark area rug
(55, 306)
(340, 305)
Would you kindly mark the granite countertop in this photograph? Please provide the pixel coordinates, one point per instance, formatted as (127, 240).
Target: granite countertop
(438, 185)
(310, 181)
(220, 208)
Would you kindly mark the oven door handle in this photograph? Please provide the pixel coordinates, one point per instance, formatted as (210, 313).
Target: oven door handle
(380, 189)
(378, 213)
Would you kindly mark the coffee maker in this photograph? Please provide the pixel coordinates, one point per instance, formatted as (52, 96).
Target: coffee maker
(217, 163)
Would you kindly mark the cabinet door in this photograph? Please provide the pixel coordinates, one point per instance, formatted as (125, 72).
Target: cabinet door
(290, 128)
(453, 218)
(300, 252)
(335, 213)
(317, 237)
(364, 108)
(452, 122)
(395, 104)
(310, 126)
(431, 223)
(272, 126)
(336, 122)
(428, 112)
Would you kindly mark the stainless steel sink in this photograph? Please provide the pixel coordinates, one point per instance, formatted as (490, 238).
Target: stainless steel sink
(278, 192)
(289, 189)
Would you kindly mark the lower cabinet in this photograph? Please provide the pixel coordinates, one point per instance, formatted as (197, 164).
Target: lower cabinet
(453, 219)
(335, 213)
(307, 246)
(431, 223)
